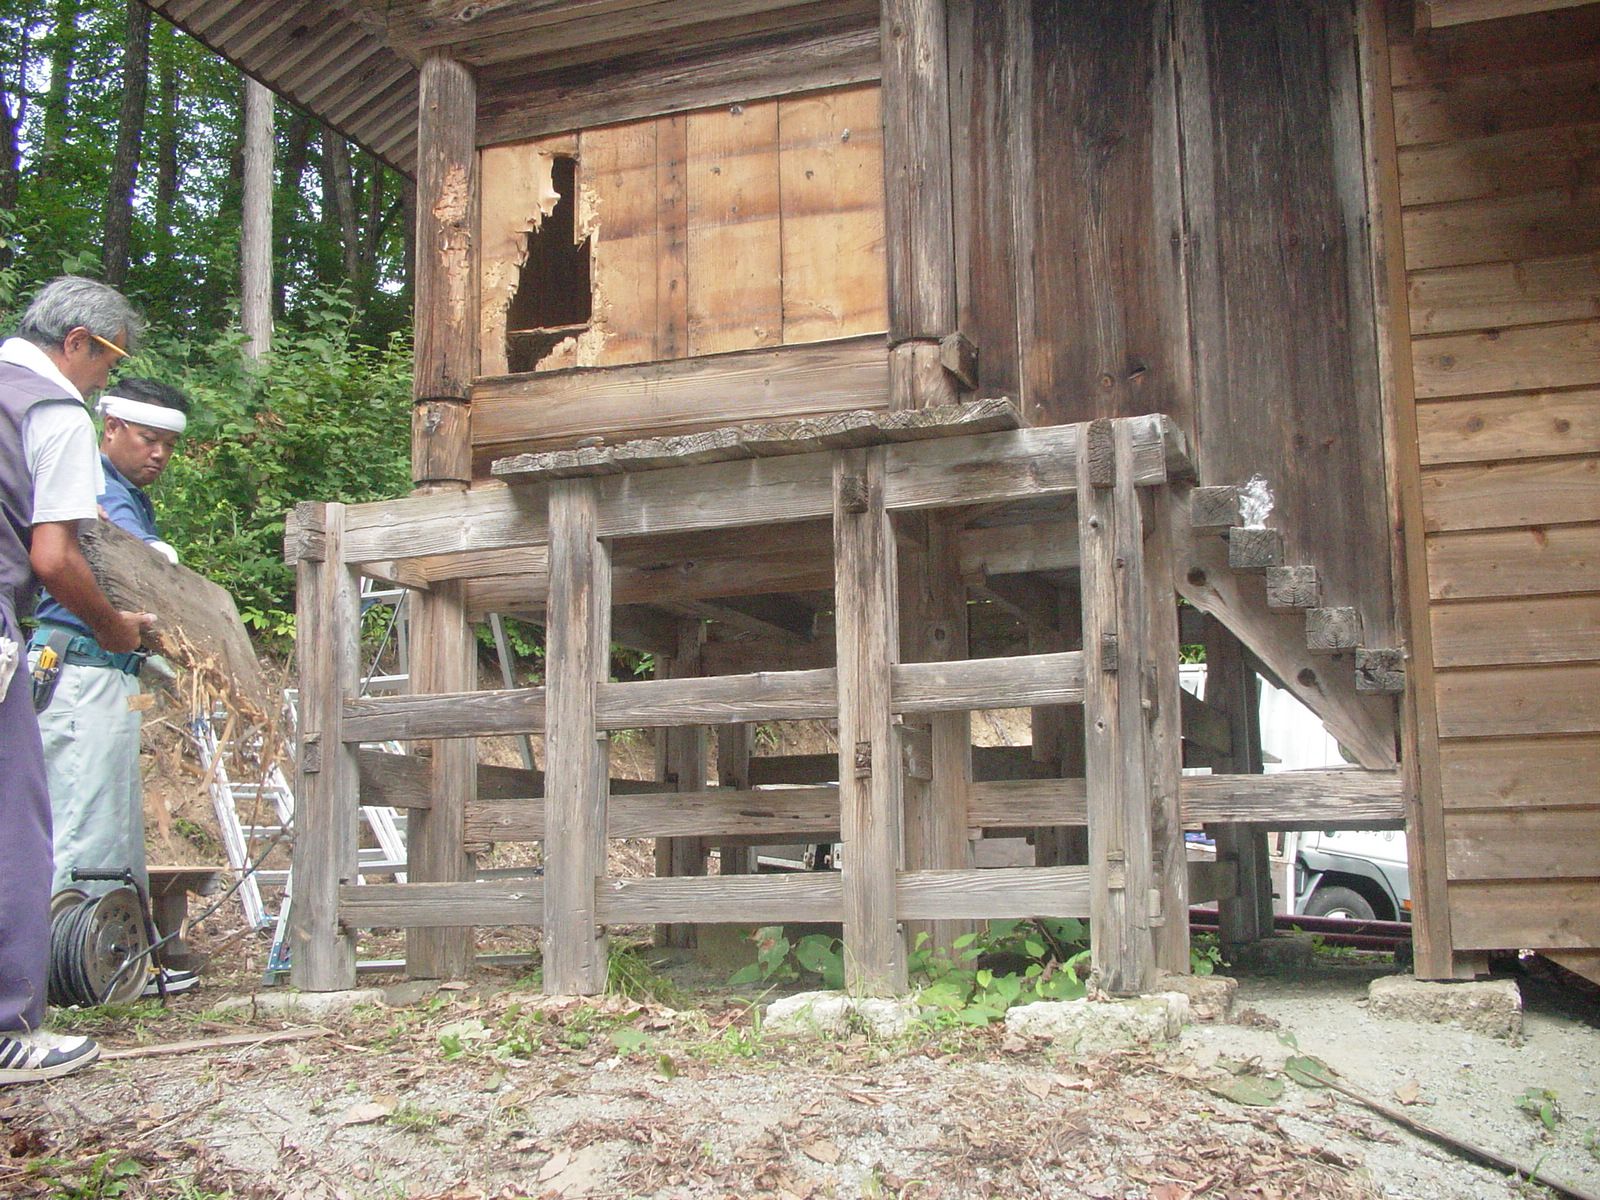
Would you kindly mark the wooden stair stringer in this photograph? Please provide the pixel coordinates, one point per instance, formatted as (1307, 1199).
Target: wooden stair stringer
(1365, 724)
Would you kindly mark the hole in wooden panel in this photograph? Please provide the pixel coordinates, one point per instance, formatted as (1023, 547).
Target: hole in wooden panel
(554, 297)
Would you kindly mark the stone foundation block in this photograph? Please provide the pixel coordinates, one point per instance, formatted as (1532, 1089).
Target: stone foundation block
(1210, 996)
(1492, 1007)
(1281, 953)
(301, 1005)
(1086, 1027)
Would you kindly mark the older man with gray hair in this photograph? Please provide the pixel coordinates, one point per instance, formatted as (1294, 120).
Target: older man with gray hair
(71, 336)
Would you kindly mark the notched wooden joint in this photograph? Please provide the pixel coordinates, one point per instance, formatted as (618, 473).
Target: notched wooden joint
(311, 754)
(1108, 653)
(853, 493)
(1100, 451)
(959, 356)
(863, 760)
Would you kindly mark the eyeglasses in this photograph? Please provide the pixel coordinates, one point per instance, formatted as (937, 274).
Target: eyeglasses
(112, 346)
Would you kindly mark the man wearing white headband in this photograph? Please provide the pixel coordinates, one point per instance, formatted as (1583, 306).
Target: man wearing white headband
(90, 732)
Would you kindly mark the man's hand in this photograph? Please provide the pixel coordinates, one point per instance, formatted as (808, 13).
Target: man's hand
(125, 632)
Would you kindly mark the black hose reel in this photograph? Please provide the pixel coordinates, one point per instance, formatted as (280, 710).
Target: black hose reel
(99, 944)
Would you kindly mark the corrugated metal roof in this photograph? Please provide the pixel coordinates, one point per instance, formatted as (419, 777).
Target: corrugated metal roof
(329, 60)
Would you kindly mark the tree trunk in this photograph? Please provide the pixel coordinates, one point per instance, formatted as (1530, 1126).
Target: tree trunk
(13, 110)
(63, 42)
(255, 247)
(340, 197)
(166, 136)
(115, 244)
(296, 156)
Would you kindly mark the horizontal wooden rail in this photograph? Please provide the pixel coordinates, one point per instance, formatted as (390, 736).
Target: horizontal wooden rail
(1025, 681)
(1333, 799)
(1018, 464)
(992, 895)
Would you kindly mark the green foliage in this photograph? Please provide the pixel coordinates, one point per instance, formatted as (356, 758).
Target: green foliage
(628, 975)
(103, 1177)
(1541, 1105)
(1205, 954)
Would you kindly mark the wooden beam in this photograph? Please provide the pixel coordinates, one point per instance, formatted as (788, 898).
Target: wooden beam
(1020, 464)
(446, 274)
(1162, 718)
(1123, 885)
(444, 659)
(1441, 14)
(734, 744)
(681, 765)
(327, 639)
(576, 661)
(1244, 912)
(866, 620)
(978, 683)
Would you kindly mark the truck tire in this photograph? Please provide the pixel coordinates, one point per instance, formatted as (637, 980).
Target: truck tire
(1339, 902)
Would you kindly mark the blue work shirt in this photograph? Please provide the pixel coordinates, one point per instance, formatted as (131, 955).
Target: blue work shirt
(129, 509)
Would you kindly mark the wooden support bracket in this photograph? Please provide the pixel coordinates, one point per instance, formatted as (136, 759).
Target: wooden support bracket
(1332, 630)
(1254, 550)
(1293, 587)
(1380, 670)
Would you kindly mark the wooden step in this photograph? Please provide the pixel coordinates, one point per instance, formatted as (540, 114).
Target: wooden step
(1291, 588)
(1214, 507)
(1332, 630)
(1380, 670)
(1254, 550)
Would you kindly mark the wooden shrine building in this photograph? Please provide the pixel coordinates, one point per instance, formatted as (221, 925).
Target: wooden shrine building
(883, 362)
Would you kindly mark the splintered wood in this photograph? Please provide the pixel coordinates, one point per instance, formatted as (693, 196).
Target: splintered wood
(197, 625)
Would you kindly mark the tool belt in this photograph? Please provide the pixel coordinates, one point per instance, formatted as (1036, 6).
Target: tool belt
(81, 650)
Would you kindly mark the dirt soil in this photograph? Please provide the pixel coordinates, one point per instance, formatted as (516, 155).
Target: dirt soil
(488, 1089)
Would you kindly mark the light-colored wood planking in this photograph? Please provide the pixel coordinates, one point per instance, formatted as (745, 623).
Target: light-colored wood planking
(517, 195)
(1520, 98)
(1528, 843)
(1494, 295)
(1532, 225)
(1505, 164)
(1512, 772)
(528, 412)
(1508, 360)
(1514, 562)
(1519, 701)
(672, 237)
(1541, 40)
(993, 894)
(1499, 495)
(1512, 632)
(1528, 425)
(734, 249)
(1579, 962)
(1532, 914)
(618, 202)
(1439, 14)
(830, 161)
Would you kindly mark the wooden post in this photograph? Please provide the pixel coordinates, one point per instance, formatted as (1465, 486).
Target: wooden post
(933, 627)
(1231, 685)
(919, 201)
(1122, 893)
(446, 661)
(682, 758)
(870, 773)
(1163, 721)
(446, 274)
(733, 772)
(577, 659)
(327, 789)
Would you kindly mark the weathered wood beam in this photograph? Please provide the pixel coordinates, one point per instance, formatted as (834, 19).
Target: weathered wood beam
(577, 658)
(446, 274)
(327, 638)
(1016, 465)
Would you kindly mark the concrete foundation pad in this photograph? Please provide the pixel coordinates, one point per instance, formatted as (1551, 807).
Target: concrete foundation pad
(1084, 1027)
(1284, 952)
(301, 1005)
(1210, 996)
(1492, 1007)
(834, 1014)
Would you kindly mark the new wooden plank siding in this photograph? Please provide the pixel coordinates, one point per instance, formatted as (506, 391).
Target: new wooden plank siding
(741, 227)
(1498, 132)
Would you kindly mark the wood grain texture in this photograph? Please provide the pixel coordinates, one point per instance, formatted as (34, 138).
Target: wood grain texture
(1516, 98)
(1497, 495)
(1504, 164)
(1270, 100)
(1544, 772)
(1514, 562)
(619, 210)
(1522, 43)
(1503, 229)
(327, 782)
(1529, 843)
(1508, 360)
(830, 162)
(1517, 632)
(993, 894)
(1519, 701)
(447, 221)
(517, 195)
(734, 247)
(866, 618)
(1440, 14)
(1494, 295)
(1535, 914)
(1495, 428)
(577, 659)
(444, 659)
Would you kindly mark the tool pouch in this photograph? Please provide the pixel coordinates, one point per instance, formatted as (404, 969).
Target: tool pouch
(47, 668)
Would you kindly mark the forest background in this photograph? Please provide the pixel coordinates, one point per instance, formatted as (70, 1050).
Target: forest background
(122, 156)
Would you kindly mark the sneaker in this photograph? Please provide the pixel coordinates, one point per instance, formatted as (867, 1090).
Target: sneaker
(177, 982)
(25, 1057)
